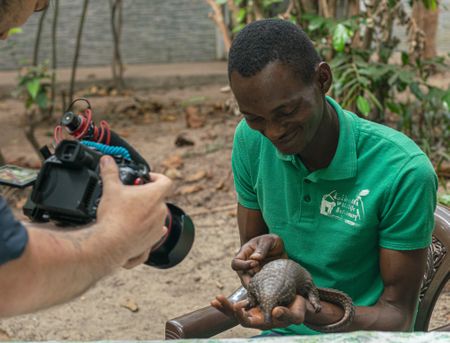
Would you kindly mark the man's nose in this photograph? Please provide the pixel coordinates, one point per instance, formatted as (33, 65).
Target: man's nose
(274, 130)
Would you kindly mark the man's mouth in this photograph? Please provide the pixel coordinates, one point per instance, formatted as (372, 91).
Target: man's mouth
(286, 138)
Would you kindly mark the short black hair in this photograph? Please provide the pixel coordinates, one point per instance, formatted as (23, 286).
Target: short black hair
(269, 40)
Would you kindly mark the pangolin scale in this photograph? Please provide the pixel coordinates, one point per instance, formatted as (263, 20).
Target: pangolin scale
(279, 281)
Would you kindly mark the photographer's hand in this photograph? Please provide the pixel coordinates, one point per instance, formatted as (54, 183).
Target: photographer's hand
(132, 217)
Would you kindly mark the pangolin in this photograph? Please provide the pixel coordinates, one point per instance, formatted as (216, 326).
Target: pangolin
(277, 284)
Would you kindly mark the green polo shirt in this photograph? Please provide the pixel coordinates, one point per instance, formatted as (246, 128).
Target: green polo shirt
(378, 191)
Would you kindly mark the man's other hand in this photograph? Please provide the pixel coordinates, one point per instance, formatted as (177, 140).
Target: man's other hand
(255, 253)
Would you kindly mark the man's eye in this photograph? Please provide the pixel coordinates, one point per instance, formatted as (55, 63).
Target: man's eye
(286, 114)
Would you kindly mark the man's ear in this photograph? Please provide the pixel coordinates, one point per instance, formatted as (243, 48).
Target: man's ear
(324, 77)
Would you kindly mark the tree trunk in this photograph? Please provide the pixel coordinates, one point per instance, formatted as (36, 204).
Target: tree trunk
(217, 17)
(54, 58)
(30, 130)
(309, 6)
(77, 50)
(37, 42)
(116, 29)
(2, 159)
(427, 20)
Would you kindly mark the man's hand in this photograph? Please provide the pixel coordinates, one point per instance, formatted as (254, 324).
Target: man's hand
(254, 318)
(255, 253)
(131, 217)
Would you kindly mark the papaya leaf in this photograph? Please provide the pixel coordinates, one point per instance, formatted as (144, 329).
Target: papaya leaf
(41, 100)
(340, 37)
(33, 87)
(363, 105)
(415, 89)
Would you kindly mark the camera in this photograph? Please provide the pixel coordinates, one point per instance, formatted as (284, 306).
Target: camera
(68, 187)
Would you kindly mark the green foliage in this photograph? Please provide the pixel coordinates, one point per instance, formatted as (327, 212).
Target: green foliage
(444, 199)
(14, 31)
(380, 89)
(33, 86)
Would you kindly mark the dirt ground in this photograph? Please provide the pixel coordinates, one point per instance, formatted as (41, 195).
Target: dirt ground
(134, 305)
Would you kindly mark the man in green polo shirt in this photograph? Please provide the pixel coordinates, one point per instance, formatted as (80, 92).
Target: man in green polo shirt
(351, 200)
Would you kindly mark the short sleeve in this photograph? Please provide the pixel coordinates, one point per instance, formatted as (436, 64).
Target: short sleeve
(242, 170)
(407, 220)
(13, 235)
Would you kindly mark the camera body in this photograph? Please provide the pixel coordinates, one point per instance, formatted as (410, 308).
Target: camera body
(68, 187)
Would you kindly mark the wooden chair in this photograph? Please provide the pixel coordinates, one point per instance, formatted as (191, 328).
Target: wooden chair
(208, 321)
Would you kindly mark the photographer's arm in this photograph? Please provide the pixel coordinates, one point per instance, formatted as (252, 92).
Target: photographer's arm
(55, 267)
(58, 266)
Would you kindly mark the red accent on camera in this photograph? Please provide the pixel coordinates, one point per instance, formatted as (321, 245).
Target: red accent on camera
(138, 181)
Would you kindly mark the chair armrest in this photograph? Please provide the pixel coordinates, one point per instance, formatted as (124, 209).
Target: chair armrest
(203, 323)
(445, 328)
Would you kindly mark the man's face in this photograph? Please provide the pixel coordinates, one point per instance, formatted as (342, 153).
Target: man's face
(280, 105)
(18, 13)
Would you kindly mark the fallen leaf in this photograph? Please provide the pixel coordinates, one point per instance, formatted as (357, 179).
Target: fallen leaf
(174, 161)
(220, 185)
(168, 117)
(182, 140)
(232, 214)
(190, 189)
(130, 305)
(148, 118)
(173, 173)
(93, 90)
(194, 119)
(4, 336)
(201, 174)
(219, 285)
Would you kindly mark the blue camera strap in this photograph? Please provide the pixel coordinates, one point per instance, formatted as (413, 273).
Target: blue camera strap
(108, 150)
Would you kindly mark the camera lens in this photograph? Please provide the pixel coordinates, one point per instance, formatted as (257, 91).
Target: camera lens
(178, 241)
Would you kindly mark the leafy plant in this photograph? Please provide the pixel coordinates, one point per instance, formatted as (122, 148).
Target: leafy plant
(444, 199)
(34, 88)
(34, 85)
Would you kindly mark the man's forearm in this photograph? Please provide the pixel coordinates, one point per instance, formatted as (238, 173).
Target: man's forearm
(55, 267)
(380, 317)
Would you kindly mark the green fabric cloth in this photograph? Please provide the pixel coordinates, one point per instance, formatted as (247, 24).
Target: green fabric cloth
(378, 191)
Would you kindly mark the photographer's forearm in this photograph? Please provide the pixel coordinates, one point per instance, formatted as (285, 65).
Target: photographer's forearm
(55, 267)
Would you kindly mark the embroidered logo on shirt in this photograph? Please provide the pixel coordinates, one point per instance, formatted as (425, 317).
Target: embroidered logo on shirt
(342, 207)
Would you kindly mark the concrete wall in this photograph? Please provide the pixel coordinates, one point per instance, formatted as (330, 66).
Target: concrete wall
(154, 31)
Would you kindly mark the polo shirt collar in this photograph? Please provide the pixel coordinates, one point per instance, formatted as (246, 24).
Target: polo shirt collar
(344, 163)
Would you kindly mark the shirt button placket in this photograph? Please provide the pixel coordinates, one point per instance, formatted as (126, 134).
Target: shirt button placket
(308, 206)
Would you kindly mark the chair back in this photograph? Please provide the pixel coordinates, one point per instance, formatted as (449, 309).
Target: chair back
(438, 268)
